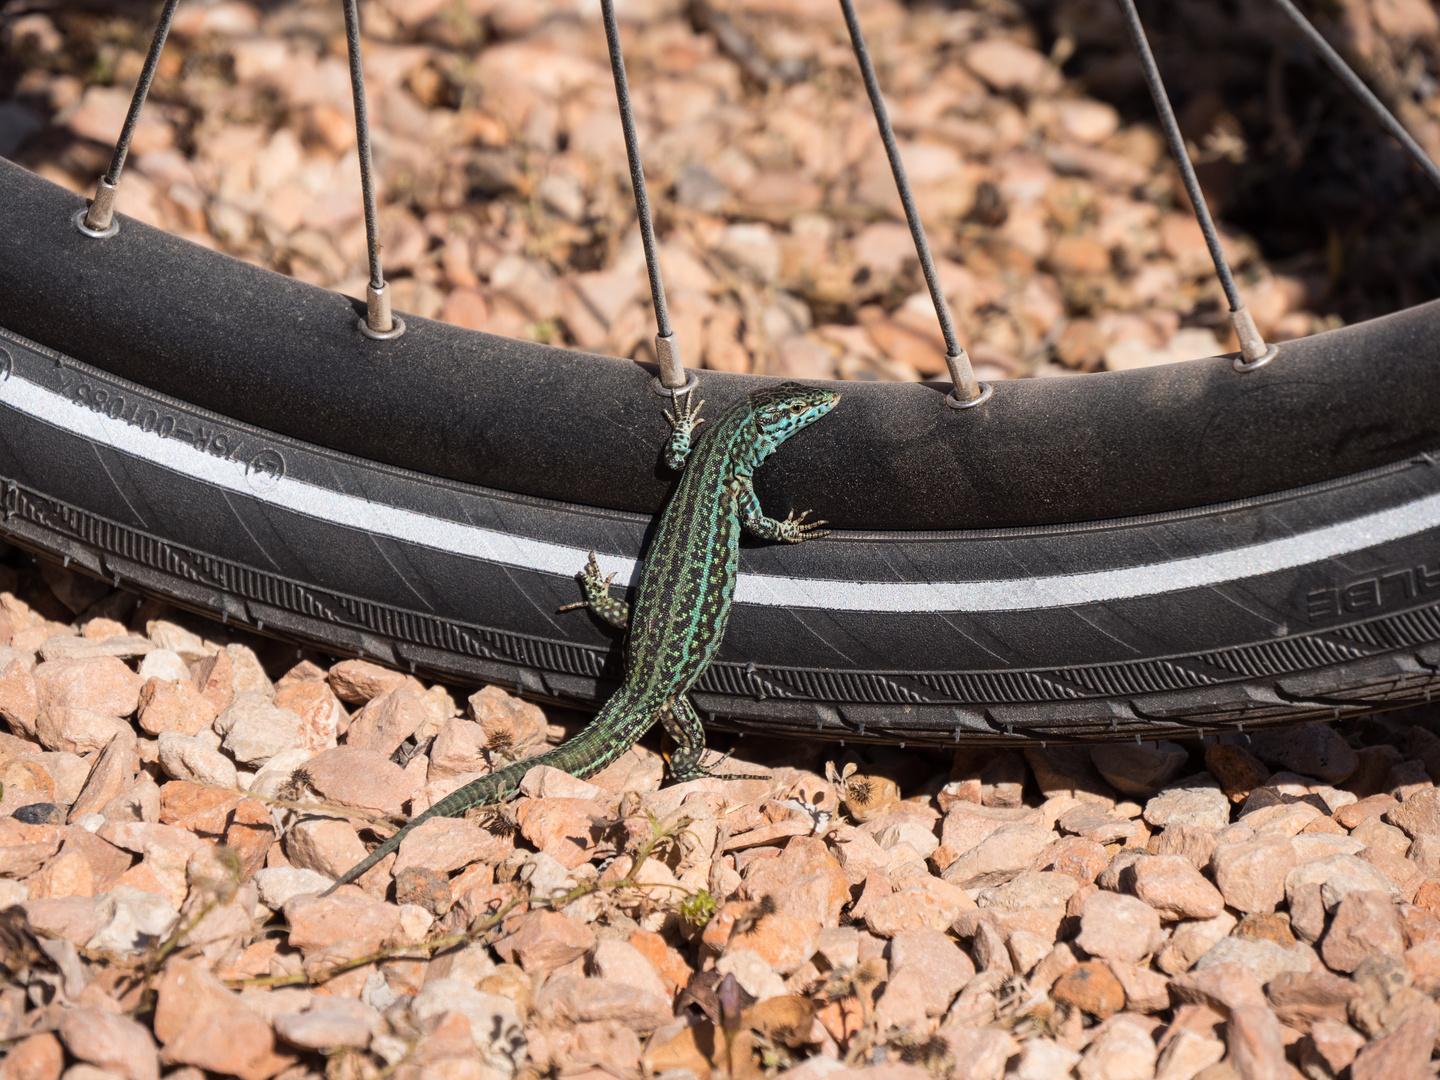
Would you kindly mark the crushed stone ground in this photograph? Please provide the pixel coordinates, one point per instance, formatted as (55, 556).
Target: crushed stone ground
(177, 794)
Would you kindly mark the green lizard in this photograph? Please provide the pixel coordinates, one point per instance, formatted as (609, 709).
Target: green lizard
(686, 588)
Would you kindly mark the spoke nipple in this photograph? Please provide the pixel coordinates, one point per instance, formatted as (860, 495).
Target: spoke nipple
(1254, 353)
(380, 324)
(99, 221)
(966, 392)
(672, 370)
(689, 384)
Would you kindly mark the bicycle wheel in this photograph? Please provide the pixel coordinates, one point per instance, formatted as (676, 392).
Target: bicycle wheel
(1135, 554)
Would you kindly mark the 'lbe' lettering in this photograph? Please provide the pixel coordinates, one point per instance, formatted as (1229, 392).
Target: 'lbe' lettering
(1372, 593)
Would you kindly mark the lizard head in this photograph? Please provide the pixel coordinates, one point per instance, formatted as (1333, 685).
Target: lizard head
(781, 411)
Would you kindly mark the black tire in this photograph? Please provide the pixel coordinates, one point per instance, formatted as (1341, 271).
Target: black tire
(1137, 554)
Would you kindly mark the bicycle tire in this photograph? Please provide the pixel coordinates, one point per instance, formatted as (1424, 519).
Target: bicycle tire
(1141, 554)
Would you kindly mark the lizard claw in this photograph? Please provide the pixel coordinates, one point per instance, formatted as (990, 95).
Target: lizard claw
(589, 580)
(686, 415)
(799, 529)
(592, 583)
(683, 423)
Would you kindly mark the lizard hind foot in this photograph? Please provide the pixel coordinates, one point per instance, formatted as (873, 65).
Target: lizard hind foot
(735, 776)
(590, 579)
(683, 768)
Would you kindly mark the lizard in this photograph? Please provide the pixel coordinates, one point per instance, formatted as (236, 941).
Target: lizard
(682, 605)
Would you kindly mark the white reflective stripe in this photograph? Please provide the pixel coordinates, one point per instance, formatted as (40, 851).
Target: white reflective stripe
(1069, 590)
(308, 499)
(767, 590)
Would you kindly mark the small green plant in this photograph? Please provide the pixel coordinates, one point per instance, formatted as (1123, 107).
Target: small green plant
(698, 908)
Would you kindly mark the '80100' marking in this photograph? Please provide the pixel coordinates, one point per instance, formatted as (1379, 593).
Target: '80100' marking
(254, 457)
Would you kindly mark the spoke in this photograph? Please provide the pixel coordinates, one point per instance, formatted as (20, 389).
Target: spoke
(1359, 89)
(1254, 351)
(967, 391)
(667, 349)
(99, 219)
(379, 323)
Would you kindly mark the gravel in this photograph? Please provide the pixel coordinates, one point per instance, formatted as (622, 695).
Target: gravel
(1009, 916)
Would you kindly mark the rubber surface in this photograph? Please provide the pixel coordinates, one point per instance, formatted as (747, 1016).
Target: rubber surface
(1311, 601)
(443, 401)
(1308, 603)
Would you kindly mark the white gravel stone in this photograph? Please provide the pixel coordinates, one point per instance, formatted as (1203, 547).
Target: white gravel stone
(69, 771)
(1000, 856)
(13, 892)
(1028, 890)
(1266, 959)
(185, 757)
(276, 772)
(1187, 1054)
(164, 665)
(330, 1022)
(1251, 875)
(250, 677)
(752, 972)
(1114, 926)
(132, 921)
(1124, 1052)
(545, 875)
(1045, 1059)
(917, 835)
(255, 730)
(184, 643)
(1191, 940)
(278, 884)
(1195, 800)
(415, 922)
(1311, 846)
(1338, 876)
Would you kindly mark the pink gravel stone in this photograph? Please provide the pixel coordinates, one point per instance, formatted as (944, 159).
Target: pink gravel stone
(1118, 927)
(110, 1041)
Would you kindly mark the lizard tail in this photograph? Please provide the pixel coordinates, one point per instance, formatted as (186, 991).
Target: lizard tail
(375, 856)
(586, 753)
(492, 788)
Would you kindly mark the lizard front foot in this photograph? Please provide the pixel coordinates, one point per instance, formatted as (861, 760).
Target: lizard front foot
(793, 530)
